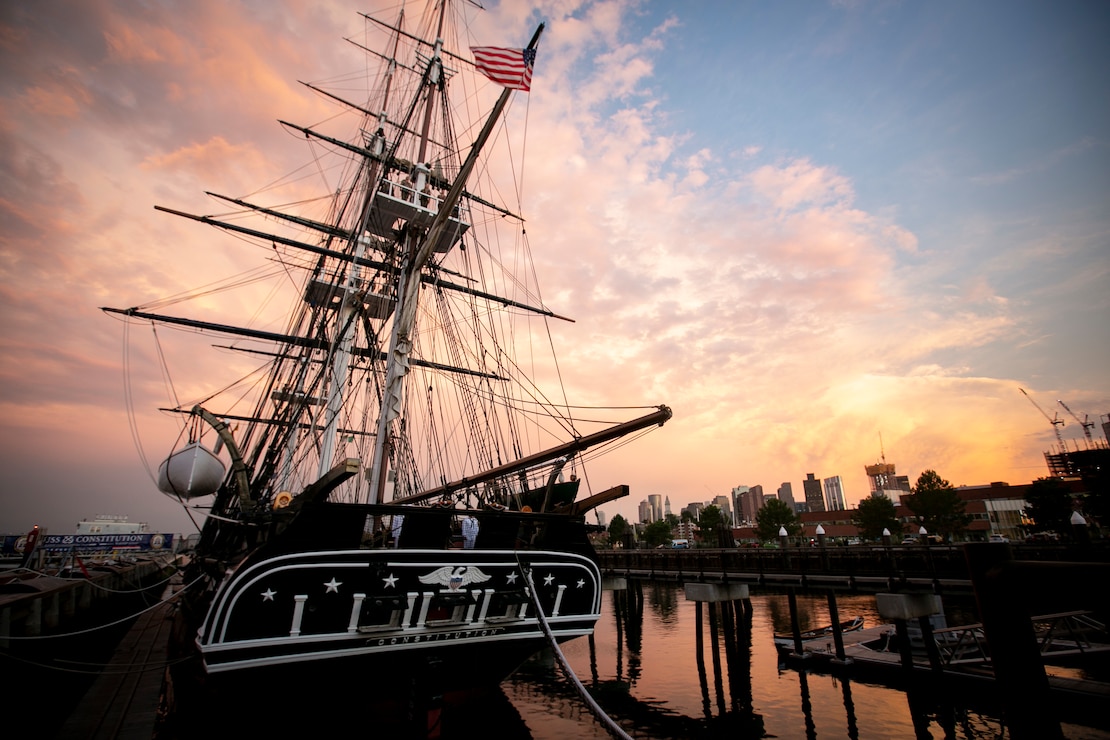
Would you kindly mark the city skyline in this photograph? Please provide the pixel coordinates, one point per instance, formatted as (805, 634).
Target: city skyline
(885, 481)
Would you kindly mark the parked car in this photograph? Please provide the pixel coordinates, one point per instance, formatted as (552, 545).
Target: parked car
(933, 539)
(998, 538)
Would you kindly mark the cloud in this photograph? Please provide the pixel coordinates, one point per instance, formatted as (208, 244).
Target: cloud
(751, 286)
(213, 158)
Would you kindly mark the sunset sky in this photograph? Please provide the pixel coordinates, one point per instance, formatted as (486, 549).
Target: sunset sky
(804, 226)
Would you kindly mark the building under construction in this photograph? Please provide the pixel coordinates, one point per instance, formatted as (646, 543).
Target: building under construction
(1078, 463)
(1087, 462)
(883, 482)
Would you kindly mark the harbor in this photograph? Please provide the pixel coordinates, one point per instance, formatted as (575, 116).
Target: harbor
(665, 660)
(406, 305)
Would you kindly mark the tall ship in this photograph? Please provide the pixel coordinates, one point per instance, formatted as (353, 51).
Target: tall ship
(393, 497)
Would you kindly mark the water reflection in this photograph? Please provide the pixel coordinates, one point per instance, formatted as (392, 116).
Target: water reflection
(730, 635)
(628, 615)
(807, 706)
(932, 703)
(849, 709)
(664, 602)
(812, 612)
(663, 667)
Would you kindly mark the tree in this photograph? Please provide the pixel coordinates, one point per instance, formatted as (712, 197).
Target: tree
(937, 506)
(672, 520)
(710, 520)
(875, 514)
(1049, 504)
(773, 516)
(617, 529)
(687, 516)
(657, 533)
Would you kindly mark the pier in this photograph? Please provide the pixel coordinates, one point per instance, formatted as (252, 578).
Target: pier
(857, 569)
(1013, 595)
(35, 604)
(59, 629)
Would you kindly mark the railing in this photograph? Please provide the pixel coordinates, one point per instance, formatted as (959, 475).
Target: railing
(1058, 635)
(1070, 633)
(933, 568)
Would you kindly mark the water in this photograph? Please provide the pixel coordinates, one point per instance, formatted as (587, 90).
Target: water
(642, 666)
(643, 670)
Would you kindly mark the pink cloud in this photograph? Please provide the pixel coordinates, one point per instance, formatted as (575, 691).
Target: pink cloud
(780, 319)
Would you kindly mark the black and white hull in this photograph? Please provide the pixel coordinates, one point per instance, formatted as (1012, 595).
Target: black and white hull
(392, 607)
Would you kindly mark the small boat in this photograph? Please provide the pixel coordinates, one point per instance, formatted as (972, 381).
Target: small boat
(405, 398)
(786, 641)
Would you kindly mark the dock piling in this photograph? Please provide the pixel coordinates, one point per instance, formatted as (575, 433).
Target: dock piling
(1000, 595)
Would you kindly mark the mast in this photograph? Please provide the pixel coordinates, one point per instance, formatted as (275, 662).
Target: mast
(409, 293)
(435, 76)
(347, 313)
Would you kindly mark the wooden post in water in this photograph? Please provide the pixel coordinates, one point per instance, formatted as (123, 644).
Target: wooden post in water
(792, 599)
(838, 636)
(905, 649)
(901, 608)
(930, 641)
(699, 637)
(718, 679)
(1007, 624)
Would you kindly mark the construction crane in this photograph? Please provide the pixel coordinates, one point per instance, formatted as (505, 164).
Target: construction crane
(1086, 423)
(1056, 421)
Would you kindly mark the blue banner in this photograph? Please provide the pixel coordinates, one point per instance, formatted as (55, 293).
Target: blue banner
(84, 543)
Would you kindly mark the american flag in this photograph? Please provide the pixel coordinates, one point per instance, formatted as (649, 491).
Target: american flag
(511, 68)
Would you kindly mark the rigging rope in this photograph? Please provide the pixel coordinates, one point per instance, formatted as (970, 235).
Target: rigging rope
(595, 708)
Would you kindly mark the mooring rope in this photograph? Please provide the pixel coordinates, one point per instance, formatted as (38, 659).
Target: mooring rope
(595, 708)
(174, 597)
(93, 584)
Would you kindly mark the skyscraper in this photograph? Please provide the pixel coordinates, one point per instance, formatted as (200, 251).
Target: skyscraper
(656, 501)
(815, 501)
(757, 500)
(722, 503)
(749, 502)
(834, 494)
(739, 494)
(786, 494)
(694, 509)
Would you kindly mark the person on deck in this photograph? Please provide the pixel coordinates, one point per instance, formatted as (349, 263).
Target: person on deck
(469, 531)
(398, 520)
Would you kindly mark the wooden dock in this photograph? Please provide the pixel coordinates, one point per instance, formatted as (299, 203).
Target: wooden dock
(866, 658)
(124, 701)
